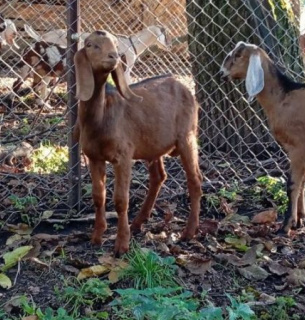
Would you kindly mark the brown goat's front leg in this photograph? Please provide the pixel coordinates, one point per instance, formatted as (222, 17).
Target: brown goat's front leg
(121, 198)
(98, 174)
(189, 157)
(157, 176)
(294, 184)
(301, 209)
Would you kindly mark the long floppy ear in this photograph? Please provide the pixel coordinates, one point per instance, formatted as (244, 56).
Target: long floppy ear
(84, 76)
(122, 86)
(255, 80)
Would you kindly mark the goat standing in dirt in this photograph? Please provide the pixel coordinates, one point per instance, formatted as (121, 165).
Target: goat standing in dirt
(283, 101)
(155, 117)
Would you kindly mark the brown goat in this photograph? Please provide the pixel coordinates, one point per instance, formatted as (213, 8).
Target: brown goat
(283, 101)
(146, 121)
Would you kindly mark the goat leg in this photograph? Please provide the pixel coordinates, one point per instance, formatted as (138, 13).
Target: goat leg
(189, 157)
(122, 173)
(98, 174)
(157, 176)
(301, 209)
(293, 191)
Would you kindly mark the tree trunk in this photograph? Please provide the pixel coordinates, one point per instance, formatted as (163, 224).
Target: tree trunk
(228, 122)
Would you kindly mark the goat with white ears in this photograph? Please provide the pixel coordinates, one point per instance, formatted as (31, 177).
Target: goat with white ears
(283, 101)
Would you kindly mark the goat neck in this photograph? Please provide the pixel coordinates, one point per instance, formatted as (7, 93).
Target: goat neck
(269, 97)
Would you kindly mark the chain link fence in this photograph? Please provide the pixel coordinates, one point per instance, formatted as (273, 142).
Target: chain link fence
(36, 176)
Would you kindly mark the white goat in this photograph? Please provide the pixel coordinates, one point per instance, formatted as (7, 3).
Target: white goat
(8, 33)
(283, 101)
(131, 47)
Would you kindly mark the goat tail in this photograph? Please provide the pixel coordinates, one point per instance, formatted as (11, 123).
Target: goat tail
(32, 33)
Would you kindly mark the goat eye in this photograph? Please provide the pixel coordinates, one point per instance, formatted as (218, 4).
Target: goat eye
(96, 47)
(88, 45)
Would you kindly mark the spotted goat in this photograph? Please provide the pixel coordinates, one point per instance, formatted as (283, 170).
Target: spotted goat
(43, 61)
(8, 33)
(283, 101)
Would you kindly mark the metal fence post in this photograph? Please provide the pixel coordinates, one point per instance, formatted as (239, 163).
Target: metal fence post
(73, 26)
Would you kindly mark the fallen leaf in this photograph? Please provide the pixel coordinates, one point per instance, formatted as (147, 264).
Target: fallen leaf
(198, 265)
(30, 318)
(46, 237)
(277, 269)
(115, 266)
(151, 236)
(5, 281)
(47, 214)
(208, 226)
(288, 250)
(296, 277)
(237, 218)
(92, 271)
(20, 228)
(265, 217)
(280, 287)
(225, 207)
(11, 258)
(247, 259)
(16, 237)
(253, 272)
(238, 243)
(301, 264)
(270, 246)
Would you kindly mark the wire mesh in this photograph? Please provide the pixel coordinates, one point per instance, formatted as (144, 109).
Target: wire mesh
(235, 143)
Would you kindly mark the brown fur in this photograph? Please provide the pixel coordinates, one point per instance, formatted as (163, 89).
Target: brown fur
(155, 118)
(36, 62)
(284, 104)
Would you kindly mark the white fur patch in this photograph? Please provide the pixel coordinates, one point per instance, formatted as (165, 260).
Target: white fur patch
(162, 39)
(54, 55)
(42, 50)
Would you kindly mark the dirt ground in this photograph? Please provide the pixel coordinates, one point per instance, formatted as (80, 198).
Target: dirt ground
(231, 254)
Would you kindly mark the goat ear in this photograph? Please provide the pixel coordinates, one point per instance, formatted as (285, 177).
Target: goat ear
(84, 76)
(255, 76)
(122, 86)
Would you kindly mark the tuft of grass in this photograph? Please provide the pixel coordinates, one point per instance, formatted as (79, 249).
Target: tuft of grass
(274, 188)
(50, 158)
(146, 269)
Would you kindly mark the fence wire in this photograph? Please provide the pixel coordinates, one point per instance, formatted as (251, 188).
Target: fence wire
(35, 175)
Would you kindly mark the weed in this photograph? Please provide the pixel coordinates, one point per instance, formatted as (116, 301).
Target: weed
(239, 310)
(147, 269)
(50, 159)
(78, 295)
(281, 310)
(54, 120)
(274, 188)
(23, 203)
(24, 128)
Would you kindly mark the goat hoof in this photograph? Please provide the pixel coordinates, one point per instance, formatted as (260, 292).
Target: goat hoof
(300, 224)
(187, 235)
(282, 232)
(119, 249)
(135, 228)
(96, 240)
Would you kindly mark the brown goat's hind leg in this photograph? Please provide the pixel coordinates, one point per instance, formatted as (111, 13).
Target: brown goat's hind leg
(189, 157)
(98, 175)
(157, 175)
(301, 209)
(293, 191)
(121, 198)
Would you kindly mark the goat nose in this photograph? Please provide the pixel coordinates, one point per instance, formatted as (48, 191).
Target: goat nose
(113, 55)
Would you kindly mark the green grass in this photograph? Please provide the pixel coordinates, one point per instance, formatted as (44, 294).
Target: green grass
(148, 270)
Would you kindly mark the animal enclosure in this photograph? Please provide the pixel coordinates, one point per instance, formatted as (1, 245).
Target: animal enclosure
(235, 144)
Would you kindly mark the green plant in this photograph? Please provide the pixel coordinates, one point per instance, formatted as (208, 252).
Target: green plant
(156, 304)
(50, 158)
(77, 295)
(23, 203)
(282, 310)
(274, 188)
(146, 269)
(239, 310)
(54, 120)
(24, 128)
